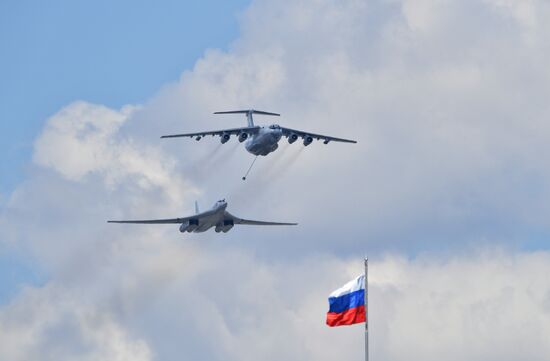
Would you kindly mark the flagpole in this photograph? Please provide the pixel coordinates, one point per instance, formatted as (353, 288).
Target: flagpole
(366, 309)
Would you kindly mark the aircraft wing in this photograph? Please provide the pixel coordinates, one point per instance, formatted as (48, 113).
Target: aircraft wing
(157, 221)
(287, 132)
(232, 131)
(237, 220)
(262, 223)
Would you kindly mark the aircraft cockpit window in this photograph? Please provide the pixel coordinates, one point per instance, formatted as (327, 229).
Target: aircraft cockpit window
(274, 126)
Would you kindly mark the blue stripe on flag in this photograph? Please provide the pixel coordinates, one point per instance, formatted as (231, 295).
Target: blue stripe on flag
(346, 302)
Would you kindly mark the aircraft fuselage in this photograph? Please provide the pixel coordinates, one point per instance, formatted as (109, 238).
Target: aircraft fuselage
(264, 141)
(212, 218)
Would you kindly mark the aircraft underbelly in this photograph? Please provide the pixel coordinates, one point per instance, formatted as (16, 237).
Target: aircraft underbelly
(202, 228)
(262, 144)
(206, 223)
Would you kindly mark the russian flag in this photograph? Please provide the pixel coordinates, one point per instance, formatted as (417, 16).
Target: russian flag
(347, 304)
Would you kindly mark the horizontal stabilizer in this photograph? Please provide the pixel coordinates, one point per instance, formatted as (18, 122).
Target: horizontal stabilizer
(249, 111)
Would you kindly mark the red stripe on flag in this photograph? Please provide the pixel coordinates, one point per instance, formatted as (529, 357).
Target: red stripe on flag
(346, 318)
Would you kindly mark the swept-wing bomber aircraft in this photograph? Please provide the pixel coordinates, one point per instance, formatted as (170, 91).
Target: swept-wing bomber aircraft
(216, 217)
(261, 140)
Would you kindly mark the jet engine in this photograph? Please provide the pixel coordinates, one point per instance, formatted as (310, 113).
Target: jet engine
(225, 137)
(225, 226)
(189, 226)
(307, 140)
(243, 137)
(292, 138)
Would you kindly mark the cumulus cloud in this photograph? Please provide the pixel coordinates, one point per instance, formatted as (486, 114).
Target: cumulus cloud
(487, 306)
(81, 139)
(447, 100)
(53, 324)
(441, 111)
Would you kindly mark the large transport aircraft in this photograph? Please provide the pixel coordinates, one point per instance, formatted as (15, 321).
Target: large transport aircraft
(261, 140)
(216, 217)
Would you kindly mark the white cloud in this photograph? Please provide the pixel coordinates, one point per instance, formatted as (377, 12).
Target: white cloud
(493, 306)
(53, 323)
(487, 306)
(81, 139)
(525, 12)
(448, 102)
(76, 140)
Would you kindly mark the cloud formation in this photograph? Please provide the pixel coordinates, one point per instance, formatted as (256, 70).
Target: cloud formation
(447, 182)
(52, 323)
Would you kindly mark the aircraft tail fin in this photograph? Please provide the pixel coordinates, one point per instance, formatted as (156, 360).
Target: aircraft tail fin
(248, 113)
(197, 207)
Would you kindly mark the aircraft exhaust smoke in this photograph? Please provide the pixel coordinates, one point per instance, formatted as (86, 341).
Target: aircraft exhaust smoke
(272, 168)
(206, 164)
(282, 166)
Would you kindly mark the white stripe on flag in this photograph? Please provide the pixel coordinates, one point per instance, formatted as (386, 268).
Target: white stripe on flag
(352, 286)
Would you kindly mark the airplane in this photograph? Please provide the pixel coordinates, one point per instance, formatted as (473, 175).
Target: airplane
(216, 217)
(261, 140)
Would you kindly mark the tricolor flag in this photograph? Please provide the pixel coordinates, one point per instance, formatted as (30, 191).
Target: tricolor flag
(347, 304)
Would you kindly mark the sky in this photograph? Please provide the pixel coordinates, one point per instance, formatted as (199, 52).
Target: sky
(101, 51)
(446, 190)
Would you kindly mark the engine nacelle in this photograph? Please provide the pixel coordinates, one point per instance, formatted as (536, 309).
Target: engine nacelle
(243, 137)
(189, 226)
(307, 140)
(225, 226)
(225, 138)
(292, 138)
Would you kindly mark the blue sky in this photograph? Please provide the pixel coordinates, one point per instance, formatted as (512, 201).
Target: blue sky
(106, 52)
(59, 51)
